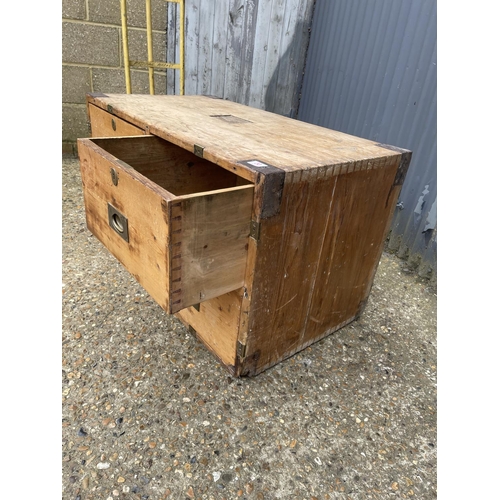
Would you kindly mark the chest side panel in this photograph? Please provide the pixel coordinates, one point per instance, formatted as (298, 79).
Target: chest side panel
(316, 261)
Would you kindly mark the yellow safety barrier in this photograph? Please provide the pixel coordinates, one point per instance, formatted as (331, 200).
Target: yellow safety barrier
(150, 63)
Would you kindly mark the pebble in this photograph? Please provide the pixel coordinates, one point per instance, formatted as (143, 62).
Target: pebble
(103, 465)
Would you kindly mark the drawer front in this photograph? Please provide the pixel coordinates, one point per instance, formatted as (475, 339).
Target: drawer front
(183, 249)
(104, 124)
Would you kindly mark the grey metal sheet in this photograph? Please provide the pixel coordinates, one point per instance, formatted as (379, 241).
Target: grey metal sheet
(371, 71)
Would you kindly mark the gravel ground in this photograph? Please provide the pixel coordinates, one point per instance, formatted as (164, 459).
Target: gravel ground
(149, 413)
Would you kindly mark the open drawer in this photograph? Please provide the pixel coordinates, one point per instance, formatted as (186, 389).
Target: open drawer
(180, 224)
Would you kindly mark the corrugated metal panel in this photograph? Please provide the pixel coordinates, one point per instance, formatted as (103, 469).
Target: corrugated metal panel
(371, 72)
(248, 51)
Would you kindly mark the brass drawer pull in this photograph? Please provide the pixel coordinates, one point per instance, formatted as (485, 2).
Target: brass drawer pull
(118, 222)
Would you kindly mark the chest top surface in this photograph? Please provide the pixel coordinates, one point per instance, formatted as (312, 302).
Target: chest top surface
(232, 133)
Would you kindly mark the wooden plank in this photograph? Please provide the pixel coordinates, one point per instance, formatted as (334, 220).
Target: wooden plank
(204, 48)
(285, 274)
(234, 48)
(261, 283)
(306, 223)
(218, 52)
(104, 124)
(248, 46)
(293, 58)
(172, 49)
(279, 38)
(276, 140)
(262, 32)
(216, 324)
(192, 43)
(145, 254)
(363, 204)
(209, 244)
(246, 301)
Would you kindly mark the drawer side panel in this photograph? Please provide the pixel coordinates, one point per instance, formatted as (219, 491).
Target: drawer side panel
(209, 244)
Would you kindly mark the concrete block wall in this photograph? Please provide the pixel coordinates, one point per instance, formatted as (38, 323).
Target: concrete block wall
(92, 58)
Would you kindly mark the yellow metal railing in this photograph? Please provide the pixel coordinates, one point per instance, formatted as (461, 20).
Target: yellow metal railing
(150, 63)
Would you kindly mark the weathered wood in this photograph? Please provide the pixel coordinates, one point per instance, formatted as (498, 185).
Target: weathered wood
(103, 124)
(183, 249)
(175, 169)
(319, 274)
(284, 99)
(276, 140)
(216, 324)
(144, 255)
(211, 235)
(204, 47)
(253, 52)
(217, 52)
(172, 46)
(302, 212)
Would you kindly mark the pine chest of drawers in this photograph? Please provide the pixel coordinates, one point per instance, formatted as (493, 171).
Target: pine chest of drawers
(261, 233)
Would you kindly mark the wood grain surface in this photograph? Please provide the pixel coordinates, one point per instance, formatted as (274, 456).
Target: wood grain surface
(182, 249)
(319, 203)
(279, 141)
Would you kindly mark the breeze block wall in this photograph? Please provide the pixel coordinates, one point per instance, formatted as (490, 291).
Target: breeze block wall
(92, 57)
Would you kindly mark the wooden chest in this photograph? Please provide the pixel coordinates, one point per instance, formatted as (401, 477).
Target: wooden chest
(261, 233)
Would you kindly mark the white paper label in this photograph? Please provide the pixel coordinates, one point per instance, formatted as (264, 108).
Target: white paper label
(256, 163)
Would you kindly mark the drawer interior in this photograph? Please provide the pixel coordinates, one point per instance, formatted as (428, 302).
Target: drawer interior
(173, 168)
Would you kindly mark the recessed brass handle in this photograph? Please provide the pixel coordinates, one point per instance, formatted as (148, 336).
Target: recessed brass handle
(118, 222)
